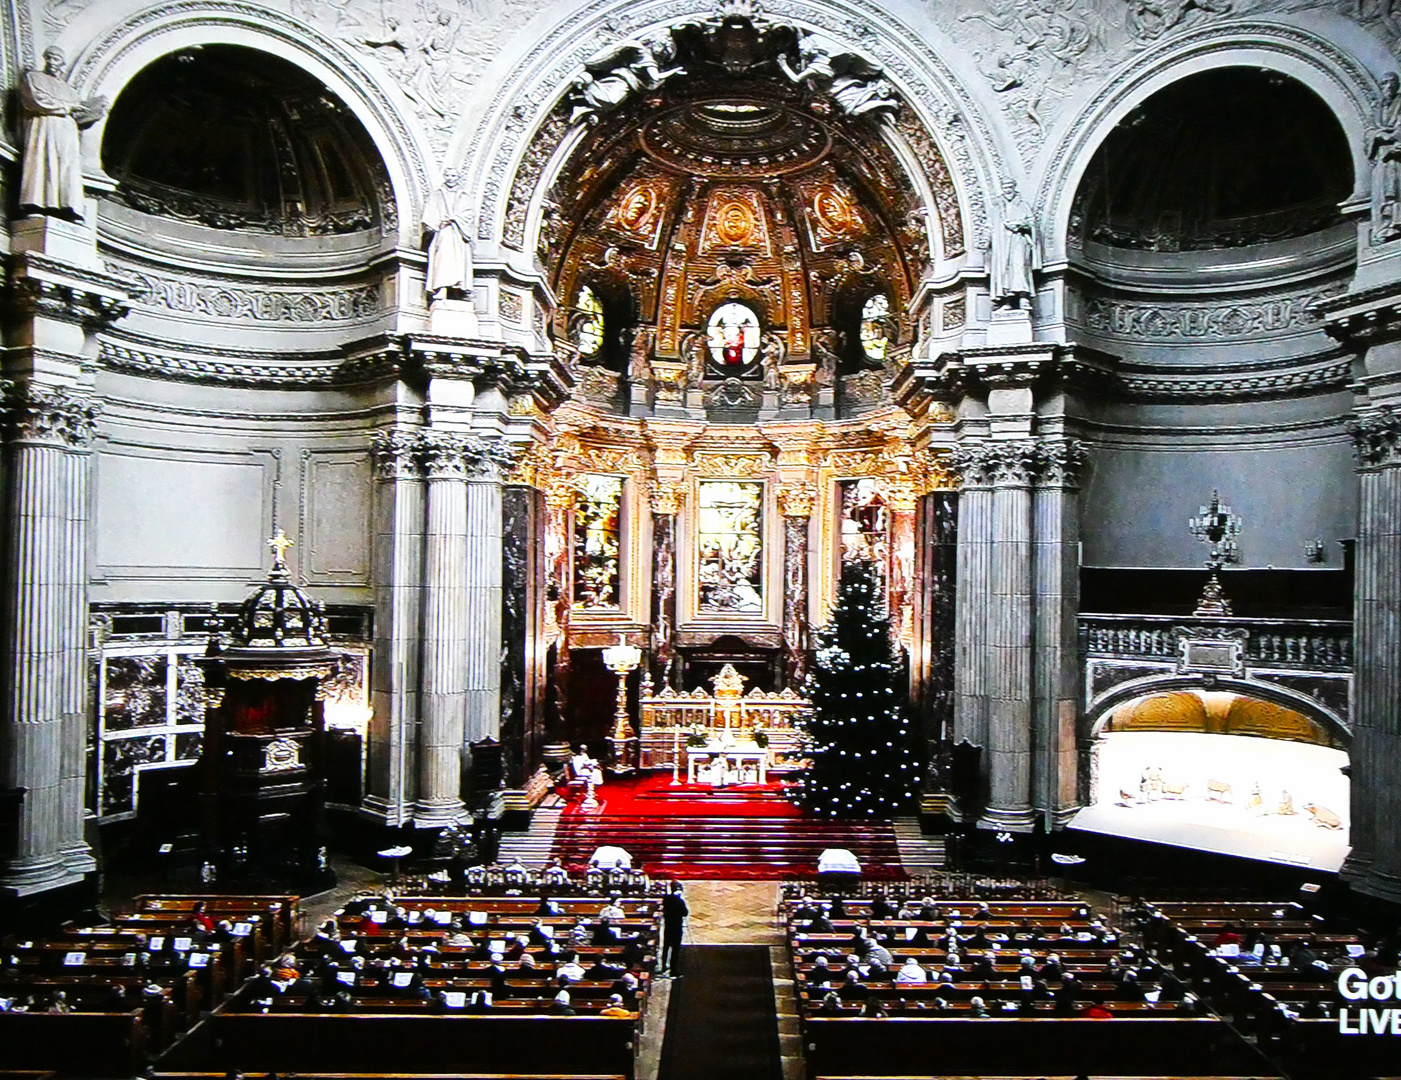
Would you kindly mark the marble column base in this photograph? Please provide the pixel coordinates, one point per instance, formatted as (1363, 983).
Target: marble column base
(26, 877)
(436, 815)
(1019, 820)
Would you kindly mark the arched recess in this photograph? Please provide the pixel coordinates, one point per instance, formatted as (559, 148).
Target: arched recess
(116, 55)
(1100, 710)
(1344, 85)
(513, 145)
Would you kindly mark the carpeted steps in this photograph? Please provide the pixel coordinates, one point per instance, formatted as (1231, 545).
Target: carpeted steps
(696, 846)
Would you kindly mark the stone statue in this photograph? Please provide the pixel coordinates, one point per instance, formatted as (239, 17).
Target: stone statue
(1384, 150)
(771, 357)
(694, 349)
(613, 76)
(640, 356)
(449, 220)
(1013, 251)
(853, 82)
(51, 180)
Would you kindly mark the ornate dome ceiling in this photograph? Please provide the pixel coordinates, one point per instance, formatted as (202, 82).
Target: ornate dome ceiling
(735, 188)
(1221, 159)
(232, 138)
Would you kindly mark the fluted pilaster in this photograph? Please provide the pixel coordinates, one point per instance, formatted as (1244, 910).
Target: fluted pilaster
(796, 501)
(1374, 864)
(973, 589)
(483, 598)
(44, 627)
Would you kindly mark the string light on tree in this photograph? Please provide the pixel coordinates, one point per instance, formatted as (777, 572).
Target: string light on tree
(864, 752)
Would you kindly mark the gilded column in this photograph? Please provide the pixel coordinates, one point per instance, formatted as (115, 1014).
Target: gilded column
(1374, 864)
(1007, 649)
(1055, 512)
(795, 502)
(445, 628)
(44, 631)
(559, 501)
(399, 510)
(903, 499)
(665, 502)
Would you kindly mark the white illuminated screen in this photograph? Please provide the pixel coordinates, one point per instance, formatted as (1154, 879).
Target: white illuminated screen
(1259, 798)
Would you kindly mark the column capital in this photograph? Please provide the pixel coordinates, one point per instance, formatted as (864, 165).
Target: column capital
(1376, 438)
(1060, 463)
(796, 499)
(396, 455)
(664, 497)
(995, 464)
(52, 414)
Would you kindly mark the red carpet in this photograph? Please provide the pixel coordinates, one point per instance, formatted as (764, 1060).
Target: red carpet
(743, 832)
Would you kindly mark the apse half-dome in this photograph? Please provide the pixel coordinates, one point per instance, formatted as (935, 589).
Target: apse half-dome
(1226, 158)
(236, 139)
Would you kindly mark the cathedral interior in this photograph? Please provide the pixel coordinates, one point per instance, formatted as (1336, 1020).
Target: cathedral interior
(448, 442)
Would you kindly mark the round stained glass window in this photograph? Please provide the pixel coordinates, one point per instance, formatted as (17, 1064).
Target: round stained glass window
(733, 335)
(875, 323)
(588, 330)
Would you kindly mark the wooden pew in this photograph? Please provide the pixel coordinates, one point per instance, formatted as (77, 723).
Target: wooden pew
(98, 1044)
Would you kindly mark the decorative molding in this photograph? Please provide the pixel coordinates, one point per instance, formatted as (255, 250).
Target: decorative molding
(1332, 374)
(441, 455)
(796, 500)
(225, 301)
(1018, 463)
(1214, 322)
(228, 368)
(58, 415)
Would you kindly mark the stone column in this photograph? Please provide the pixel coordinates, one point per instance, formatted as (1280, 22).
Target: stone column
(902, 499)
(1008, 636)
(482, 583)
(44, 631)
(973, 589)
(399, 509)
(1374, 864)
(1055, 513)
(446, 643)
(795, 501)
(665, 503)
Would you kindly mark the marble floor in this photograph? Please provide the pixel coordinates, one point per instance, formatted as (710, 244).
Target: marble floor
(732, 913)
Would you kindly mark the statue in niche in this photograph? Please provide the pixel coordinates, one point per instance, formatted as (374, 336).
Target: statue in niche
(1384, 150)
(1013, 251)
(640, 355)
(695, 348)
(51, 180)
(771, 357)
(854, 83)
(613, 76)
(826, 348)
(449, 220)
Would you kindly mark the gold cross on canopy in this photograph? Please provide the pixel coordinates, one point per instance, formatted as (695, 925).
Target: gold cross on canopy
(279, 545)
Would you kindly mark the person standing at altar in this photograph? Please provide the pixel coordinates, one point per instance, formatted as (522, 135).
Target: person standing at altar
(674, 912)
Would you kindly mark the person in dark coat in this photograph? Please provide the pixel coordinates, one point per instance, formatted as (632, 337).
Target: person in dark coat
(674, 912)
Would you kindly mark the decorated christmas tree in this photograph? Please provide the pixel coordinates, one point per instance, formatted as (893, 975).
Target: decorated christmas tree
(865, 762)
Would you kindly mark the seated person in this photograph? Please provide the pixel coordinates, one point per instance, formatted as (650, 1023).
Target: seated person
(820, 973)
(615, 1007)
(806, 910)
(602, 971)
(613, 909)
(911, 972)
(604, 933)
(831, 1004)
(882, 908)
(627, 986)
(1051, 969)
(874, 1007)
(982, 970)
(838, 908)
(560, 1006)
(852, 988)
(548, 907)
(821, 924)
(570, 970)
(1067, 995)
(585, 767)
(977, 1007)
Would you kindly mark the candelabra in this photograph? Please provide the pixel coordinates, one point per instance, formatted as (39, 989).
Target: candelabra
(621, 659)
(1218, 526)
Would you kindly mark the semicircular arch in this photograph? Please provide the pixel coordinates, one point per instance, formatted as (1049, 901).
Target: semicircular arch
(1340, 80)
(115, 56)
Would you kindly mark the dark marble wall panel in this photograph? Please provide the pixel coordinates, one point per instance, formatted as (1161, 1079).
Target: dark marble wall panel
(522, 630)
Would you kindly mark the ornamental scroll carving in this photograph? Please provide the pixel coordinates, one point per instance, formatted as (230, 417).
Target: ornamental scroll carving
(51, 415)
(796, 500)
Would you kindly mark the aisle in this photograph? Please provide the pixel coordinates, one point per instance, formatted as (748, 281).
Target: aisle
(721, 1020)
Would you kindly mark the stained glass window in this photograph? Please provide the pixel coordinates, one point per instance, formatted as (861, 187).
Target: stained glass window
(875, 322)
(597, 541)
(588, 330)
(865, 529)
(730, 546)
(734, 335)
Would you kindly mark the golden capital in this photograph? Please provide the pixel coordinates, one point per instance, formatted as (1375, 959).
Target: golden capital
(664, 496)
(796, 499)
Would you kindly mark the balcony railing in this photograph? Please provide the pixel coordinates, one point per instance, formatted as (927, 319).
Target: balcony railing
(1302, 644)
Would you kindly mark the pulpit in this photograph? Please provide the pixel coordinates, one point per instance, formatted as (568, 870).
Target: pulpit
(263, 766)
